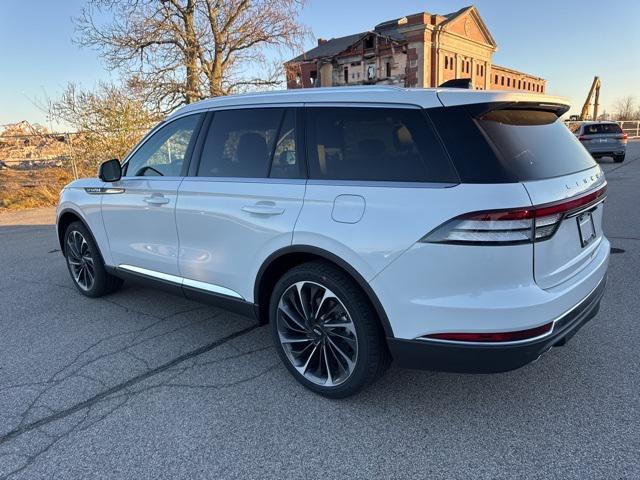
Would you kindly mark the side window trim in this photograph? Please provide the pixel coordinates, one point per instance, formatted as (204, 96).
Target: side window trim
(272, 154)
(298, 113)
(443, 146)
(196, 156)
(190, 148)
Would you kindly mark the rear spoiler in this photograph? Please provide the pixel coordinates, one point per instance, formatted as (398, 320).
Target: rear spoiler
(479, 109)
(501, 99)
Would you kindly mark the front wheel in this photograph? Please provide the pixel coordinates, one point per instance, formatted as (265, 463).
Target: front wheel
(85, 263)
(325, 330)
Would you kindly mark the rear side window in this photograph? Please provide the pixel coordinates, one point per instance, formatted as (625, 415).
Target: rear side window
(534, 144)
(601, 128)
(240, 143)
(374, 144)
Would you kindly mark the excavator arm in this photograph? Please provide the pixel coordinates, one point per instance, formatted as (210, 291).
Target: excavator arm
(595, 89)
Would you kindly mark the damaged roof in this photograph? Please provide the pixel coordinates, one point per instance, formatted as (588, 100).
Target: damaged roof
(334, 46)
(330, 48)
(390, 29)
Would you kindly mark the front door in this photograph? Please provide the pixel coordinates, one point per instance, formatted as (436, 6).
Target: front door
(139, 217)
(243, 202)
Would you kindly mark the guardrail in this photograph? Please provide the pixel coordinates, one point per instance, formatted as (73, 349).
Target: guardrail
(630, 127)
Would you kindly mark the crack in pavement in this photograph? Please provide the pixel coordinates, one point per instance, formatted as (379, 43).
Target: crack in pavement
(121, 386)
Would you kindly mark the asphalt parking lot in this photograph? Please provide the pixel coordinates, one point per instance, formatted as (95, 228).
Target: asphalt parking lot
(145, 385)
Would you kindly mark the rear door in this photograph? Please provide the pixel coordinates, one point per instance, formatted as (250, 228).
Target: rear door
(241, 202)
(559, 175)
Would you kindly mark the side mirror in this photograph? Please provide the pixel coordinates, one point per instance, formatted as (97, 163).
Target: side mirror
(110, 171)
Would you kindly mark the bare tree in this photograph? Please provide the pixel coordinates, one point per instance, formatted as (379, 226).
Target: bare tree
(107, 121)
(625, 108)
(180, 51)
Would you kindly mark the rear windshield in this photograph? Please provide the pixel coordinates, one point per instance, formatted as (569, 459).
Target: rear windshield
(601, 128)
(534, 144)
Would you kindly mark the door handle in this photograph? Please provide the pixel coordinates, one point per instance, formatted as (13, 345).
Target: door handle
(263, 208)
(156, 200)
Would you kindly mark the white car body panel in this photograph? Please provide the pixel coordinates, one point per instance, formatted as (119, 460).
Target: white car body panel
(562, 256)
(74, 198)
(394, 218)
(222, 242)
(455, 290)
(143, 234)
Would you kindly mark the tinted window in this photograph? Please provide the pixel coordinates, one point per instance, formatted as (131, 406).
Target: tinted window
(240, 143)
(286, 163)
(601, 128)
(380, 144)
(164, 153)
(534, 144)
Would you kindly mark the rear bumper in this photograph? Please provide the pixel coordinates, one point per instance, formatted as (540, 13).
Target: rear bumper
(607, 149)
(464, 357)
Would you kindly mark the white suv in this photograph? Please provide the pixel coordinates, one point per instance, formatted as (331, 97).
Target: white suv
(445, 229)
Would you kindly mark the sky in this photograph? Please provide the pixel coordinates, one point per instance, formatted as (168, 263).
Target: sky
(565, 41)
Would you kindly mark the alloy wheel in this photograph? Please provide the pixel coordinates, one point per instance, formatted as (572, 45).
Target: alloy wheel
(81, 262)
(317, 333)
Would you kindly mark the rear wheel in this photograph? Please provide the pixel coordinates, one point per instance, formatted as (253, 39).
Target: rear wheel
(325, 331)
(618, 158)
(85, 263)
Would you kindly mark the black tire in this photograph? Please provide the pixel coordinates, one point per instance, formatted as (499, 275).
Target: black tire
(372, 356)
(103, 283)
(618, 158)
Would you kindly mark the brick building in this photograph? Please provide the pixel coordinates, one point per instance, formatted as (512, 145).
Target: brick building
(420, 50)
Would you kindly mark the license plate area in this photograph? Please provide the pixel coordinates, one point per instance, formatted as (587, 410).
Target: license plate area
(587, 228)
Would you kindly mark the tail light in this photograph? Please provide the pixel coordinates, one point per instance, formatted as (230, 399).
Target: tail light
(512, 226)
(622, 136)
(582, 138)
(492, 337)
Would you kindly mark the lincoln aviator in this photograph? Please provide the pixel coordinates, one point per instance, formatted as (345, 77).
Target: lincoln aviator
(442, 229)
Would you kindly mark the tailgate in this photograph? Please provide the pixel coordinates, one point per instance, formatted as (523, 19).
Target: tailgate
(575, 242)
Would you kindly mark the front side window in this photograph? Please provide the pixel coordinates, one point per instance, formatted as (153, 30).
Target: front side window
(241, 143)
(164, 153)
(374, 144)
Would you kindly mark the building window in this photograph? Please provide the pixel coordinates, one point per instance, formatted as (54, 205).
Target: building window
(496, 82)
(313, 76)
(371, 71)
(468, 66)
(508, 82)
(519, 84)
(346, 74)
(388, 69)
(502, 80)
(368, 43)
(446, 62)
(413, 63)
